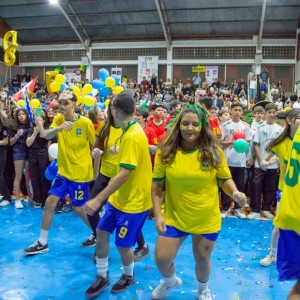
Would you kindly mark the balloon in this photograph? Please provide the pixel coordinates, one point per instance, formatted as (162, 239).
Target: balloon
(110, 82)
(50, 75)
(54, 87)
(21, 102)
(100, 105)
(60, 78)
(88, 100)
(103, 74)
(35, 103)
(52, 103)
(104, 92)
(94, 92)
(87, 89)
(106, 102)
(98, 84)
(53, 168)
(63, 86)
(80, 99)
(76, 90)
(239, 134)
(10, 50)
(116, 78)
(48, 175)
(53, 150)
(144, 105)
(240, 146)
(118, 89)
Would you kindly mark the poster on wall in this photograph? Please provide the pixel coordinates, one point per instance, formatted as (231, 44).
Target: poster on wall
(72, 75)
(147, 66)
(211, 74)
(116, 72)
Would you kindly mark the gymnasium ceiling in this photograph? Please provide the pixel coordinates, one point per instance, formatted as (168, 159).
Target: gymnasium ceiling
(39, 22)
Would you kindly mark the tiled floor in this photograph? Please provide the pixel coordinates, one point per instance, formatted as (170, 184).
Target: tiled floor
(67, 270)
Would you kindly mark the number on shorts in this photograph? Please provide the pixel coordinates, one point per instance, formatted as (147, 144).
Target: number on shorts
(123, 232)
(79, 195)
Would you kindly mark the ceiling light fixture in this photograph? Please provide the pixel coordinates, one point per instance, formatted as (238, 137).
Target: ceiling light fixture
(53, 1)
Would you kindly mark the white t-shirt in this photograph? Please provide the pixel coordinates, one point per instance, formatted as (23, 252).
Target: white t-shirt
(234, 159)
(296, 104)
(263, 135)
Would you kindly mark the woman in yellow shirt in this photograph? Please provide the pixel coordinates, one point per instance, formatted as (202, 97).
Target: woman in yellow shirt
(190, 165)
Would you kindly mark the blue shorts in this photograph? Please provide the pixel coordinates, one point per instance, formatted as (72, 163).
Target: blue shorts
(78, 191)
(128, 226)
(20, 155)
(288, 255)
(173, 232)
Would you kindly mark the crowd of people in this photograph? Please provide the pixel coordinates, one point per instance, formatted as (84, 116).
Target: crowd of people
(153, 147)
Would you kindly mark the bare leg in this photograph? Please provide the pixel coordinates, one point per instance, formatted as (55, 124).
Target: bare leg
(102, 243)
(19, 167)
(50, 205)
(295, 292)
(82, 214)
(126, 256)
(275, 237)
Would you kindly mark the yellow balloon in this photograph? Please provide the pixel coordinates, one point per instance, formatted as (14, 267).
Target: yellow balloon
(106, 102)
(80, 99)
(110, 82)
(54, 87)
(87, 89)
(35, 103)
(10, 50)
(60, 78)
(89, 100)
(50, 75)
(21, 102)
(118, 89)
(76, 90)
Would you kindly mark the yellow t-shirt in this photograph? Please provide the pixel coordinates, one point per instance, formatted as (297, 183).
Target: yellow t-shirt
(74, 158)
(191, 197)
(109, 161)
(288, 216)
(134, 196)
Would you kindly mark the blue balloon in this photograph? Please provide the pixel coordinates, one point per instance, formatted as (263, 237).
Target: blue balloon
(63, 86)
(98, 84)
(100, 105)
(53, 168)
(88, 107)
(48, 175)
(103, 74)
(116, 78)
(104, 92)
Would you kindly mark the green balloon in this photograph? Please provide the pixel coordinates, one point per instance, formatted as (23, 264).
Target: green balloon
(240, 146)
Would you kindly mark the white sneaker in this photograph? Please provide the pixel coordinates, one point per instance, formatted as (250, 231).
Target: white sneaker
(204, 295)
(18, 204)
(267, 214)
(225, 213)
(268, 260)
(161, 291)
(4, 203)
(239, 213)
(253, 215)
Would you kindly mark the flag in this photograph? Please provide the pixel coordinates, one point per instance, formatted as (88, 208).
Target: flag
(28, 107)
(30, 86)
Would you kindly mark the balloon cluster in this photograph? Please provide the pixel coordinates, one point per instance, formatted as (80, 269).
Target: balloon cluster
(240, 145)
(106, 82)
(10, 51)
(34, 103)
(84, 95)
(51, 170)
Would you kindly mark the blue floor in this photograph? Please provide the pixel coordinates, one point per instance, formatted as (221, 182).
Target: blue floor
(67, 270)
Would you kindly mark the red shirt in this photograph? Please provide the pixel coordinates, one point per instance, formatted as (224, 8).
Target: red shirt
(159, 130)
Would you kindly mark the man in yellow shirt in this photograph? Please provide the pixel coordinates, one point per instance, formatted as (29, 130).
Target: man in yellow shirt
(76, 135)
(129, 198)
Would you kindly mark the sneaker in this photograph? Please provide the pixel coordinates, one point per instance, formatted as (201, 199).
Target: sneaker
(100, 283)
(69, 208)
(161, 291)
(36, 248)
(140, 253)
(268, 214)
(253, 215)
(123, 284)
(239, 213)
(225, 213)
(38, 205)
(91, 241)
(59, 207)
(204, 295)
(18, 204)
(268, 260)
(4, 203)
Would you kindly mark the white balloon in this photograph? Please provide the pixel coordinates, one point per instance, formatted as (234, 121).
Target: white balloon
(94, 92)
(53, 150)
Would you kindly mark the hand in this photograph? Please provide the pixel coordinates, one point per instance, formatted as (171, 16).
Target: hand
(19, 132)
(240, 198)
(92, 206)
(113, 150)
(67, 125)
(273, 160)
(36, 130)
(160, 224)
(250, 162)
(38, 120)
(96, 153)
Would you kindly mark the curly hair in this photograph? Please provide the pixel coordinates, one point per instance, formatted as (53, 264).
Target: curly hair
(208, 152)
